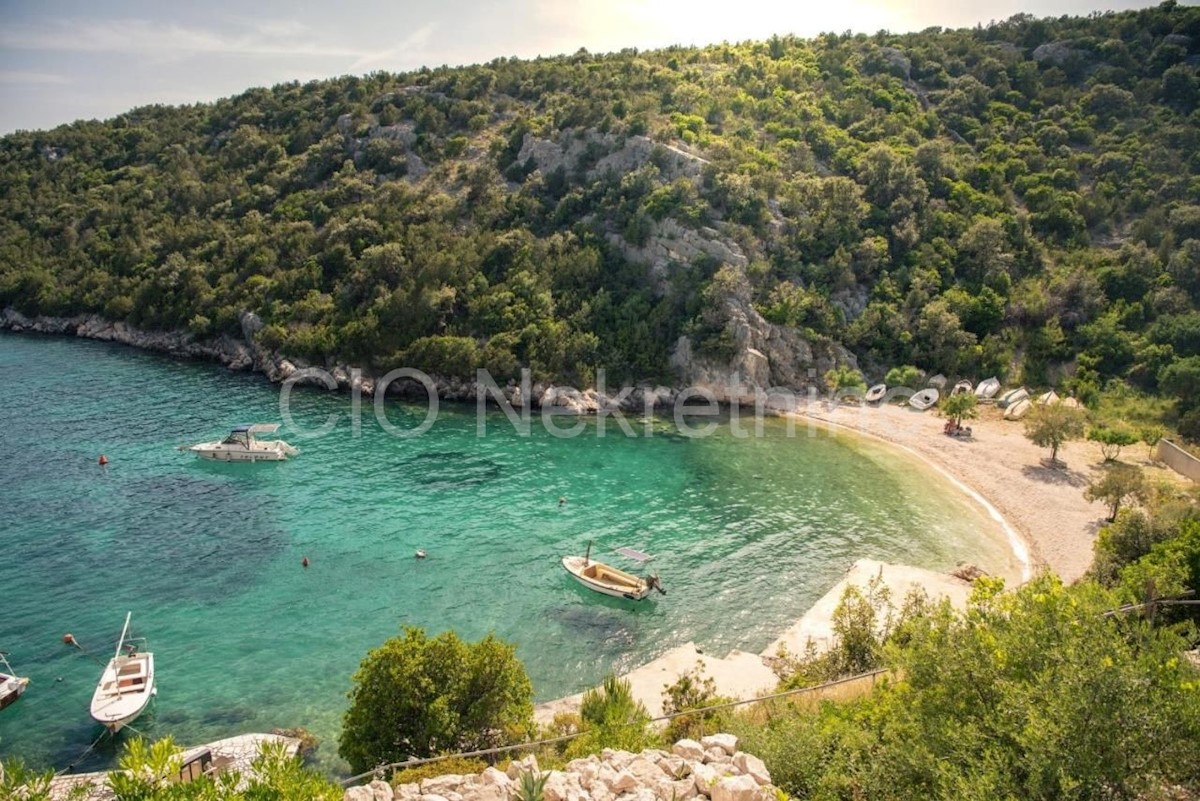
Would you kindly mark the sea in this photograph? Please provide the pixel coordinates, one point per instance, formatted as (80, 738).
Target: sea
(746, 531)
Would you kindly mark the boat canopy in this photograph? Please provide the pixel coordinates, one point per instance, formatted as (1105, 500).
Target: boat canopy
(256, 428)
(636, 556)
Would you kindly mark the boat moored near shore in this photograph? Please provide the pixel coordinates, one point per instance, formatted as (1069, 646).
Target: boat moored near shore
(243, 446)
(126, 685)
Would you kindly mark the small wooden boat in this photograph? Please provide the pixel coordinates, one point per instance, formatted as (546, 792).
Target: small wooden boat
(987, 388)
(961, 387)
(126, 685)
(608, 580)
(1011, 397)
(243, 446)
(876, 393)
(1048, 398)
(11, 685)
(924, 399)
(1016, 411)
(937, 382)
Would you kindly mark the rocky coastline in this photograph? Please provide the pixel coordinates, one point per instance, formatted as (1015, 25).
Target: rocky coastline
(733, 383)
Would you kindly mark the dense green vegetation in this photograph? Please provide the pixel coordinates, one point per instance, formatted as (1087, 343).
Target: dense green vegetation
(1010, 199)
(417, 696)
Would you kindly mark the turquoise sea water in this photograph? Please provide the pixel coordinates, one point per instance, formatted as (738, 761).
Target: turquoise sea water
(747, 534)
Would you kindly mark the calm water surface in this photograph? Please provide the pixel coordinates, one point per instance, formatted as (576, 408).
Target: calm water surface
(747, 534)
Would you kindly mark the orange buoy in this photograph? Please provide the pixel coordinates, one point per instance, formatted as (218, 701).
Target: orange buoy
(304, 561)
(103, 460)
(69, 639)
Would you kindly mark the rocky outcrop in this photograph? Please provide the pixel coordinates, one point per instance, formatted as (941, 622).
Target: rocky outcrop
(765, 355)
(709, 770)
(670, 243)
(1055, 53)
(620, 154)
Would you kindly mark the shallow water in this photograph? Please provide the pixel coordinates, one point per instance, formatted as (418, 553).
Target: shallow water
(746, 534)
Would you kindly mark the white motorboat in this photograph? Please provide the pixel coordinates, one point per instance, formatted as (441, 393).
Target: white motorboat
(924, 399)
(876, 393)
(987, 388)
(242, 445)
(608, 580)
(937, 382)
(1048, 399)
(1011, 397)
(961, 387)
(11, 685)
(126, 685)
(1019, 409)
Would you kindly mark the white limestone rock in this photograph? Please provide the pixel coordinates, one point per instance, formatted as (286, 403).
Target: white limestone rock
(442, 785)
(752, 766)
(736, 788)
(561, 786)
(616, 781)
(518, 766)
(715, 756)
(689, 750)
(704, 777)
(726, 742)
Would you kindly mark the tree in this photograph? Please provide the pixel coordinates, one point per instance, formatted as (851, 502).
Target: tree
(611, 717)
(415, 697)
(845, 377)
(906, 376)
(1121, 482)
(1112, 440)
(1053, 426)
(962, 406)
(1182, 379)
(1151, 435)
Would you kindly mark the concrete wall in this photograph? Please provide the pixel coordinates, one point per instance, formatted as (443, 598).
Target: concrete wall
(1178, 459)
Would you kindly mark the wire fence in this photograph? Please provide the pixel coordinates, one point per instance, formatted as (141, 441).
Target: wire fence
(412, 763)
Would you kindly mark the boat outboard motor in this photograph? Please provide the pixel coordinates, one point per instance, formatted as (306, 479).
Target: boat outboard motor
(653, 582)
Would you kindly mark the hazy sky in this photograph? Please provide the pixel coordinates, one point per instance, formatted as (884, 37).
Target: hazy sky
(62, 60)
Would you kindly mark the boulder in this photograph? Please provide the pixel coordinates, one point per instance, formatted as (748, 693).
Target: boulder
(689, 750)
(494, 777)
(562, 786)
(616, 781)
(736, 788)
(407, 792)
(726, 742)
(442, 785)
(518, 766)
(704, 777)
(752, 766)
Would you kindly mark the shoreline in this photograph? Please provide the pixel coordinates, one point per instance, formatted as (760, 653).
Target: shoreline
(998, 480)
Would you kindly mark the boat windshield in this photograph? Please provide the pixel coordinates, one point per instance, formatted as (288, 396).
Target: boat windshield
(238, 438)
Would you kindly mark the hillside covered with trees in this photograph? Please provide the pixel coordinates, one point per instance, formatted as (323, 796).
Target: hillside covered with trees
(1020, 199)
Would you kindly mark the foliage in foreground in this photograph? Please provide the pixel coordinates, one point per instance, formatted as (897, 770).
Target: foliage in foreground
(149, 772)
(1032, 694)
(416, 696)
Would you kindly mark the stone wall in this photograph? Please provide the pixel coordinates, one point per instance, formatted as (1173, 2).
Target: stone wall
(710, 770)
(1178, 459)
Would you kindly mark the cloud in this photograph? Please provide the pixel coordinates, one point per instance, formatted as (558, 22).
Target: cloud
(414, 45)
(148, 39)
(28, 77)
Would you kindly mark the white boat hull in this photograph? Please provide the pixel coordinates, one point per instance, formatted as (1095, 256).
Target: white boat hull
(605, 579)
(1016, 411)
(125, 690)
(924, 399)
(987, 388)
(876, 393)
(11, 688)
(274, 451)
